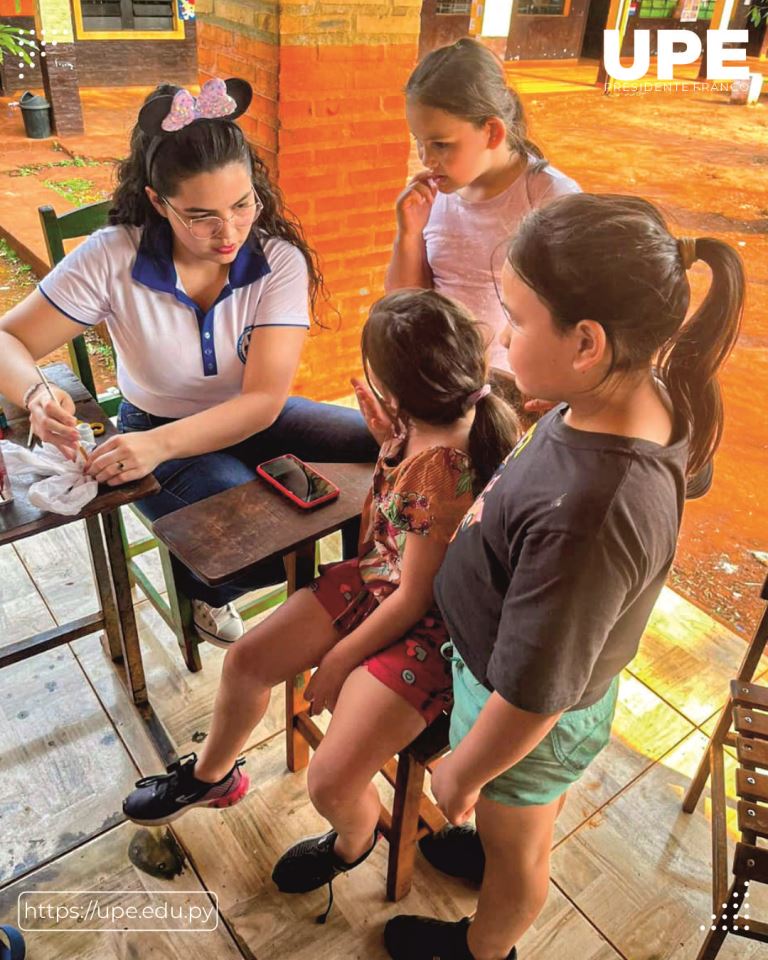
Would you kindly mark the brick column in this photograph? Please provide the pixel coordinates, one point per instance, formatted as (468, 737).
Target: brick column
(329, 116)
(53, 21)
(239, 38)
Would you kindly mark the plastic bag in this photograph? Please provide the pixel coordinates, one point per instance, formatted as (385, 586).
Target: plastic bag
(66, 489)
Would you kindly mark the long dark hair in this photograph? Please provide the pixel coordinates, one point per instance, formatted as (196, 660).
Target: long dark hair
(429, 353)
(467, 80)
(612, 259)
(199, 148)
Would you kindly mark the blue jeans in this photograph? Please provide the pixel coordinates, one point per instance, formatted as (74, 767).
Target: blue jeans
(309, 430)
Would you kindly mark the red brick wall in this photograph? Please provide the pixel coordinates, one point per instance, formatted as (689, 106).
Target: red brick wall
(226, 51)
(328, 115)
(342, 162)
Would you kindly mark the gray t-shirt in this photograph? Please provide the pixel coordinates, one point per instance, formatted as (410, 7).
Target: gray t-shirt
(550, 579)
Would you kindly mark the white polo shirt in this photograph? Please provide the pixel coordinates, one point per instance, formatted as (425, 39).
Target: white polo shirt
(173, 358)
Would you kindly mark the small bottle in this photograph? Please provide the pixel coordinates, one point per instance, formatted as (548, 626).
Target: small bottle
(87, 439)
(6, 494)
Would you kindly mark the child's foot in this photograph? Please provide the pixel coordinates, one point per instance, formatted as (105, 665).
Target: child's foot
(422, 938)
(167, 796)
(310, 863)
(456, 851)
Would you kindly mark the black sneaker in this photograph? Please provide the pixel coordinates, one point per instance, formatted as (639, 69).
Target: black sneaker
(456, 851)
(311, 863)
(165, 797)
(422, 938)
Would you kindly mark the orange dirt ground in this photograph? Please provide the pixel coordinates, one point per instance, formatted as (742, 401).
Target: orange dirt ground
(705, 162)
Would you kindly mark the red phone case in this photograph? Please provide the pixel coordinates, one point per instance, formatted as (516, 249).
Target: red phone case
(292, 496)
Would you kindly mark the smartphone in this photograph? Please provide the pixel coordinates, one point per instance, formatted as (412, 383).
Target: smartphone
(296, 480)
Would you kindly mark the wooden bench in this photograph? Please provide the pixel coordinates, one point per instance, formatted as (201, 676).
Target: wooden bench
(233, 532)
(747, 711)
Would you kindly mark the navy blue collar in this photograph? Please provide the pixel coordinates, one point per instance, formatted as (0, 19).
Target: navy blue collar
(154, 266)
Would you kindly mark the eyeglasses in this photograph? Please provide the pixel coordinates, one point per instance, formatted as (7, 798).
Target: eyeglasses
(206, 228)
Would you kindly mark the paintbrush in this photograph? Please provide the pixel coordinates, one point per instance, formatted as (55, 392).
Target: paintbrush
(47, 385)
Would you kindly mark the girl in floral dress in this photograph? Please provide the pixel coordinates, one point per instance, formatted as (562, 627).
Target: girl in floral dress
(369, 624)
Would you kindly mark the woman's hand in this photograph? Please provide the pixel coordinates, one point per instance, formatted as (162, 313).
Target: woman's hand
(323, 689)
(129, 456)
(52, 421)
(376, 417)
(457, 801)
(414, 204)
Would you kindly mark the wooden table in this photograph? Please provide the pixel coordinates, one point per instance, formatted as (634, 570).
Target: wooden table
(234, 531)
(20, 519)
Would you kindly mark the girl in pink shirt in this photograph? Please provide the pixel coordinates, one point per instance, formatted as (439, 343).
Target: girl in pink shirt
(482, 177)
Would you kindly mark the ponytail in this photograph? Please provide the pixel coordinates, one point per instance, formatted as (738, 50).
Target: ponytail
(495, 431)
(689, 361)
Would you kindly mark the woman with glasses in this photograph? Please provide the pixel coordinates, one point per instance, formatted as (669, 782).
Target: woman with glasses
(206, 287)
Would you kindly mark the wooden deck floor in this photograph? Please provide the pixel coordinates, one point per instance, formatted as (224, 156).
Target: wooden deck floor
(631, 872)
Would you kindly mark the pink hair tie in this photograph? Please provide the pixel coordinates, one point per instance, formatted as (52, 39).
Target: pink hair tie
(478, 395)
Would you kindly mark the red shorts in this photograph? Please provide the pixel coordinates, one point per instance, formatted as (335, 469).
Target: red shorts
(413, 666)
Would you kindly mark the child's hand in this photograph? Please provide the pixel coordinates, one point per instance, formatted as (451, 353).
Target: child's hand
(456, 801)
(414, 204)
(325, 686)
(376, 417)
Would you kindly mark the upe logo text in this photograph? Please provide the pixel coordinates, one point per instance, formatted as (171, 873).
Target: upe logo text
(674, 48)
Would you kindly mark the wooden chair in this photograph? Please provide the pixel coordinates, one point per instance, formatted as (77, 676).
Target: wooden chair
(747, 711)
(177, 610)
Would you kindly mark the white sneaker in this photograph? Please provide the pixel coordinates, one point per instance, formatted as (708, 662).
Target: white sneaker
(218, 625)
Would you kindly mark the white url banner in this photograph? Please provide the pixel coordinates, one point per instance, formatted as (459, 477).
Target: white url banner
(118, 911)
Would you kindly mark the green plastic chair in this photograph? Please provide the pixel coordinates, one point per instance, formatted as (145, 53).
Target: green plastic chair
(176, 611)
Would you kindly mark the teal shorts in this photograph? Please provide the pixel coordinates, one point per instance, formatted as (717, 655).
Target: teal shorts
(554, 764)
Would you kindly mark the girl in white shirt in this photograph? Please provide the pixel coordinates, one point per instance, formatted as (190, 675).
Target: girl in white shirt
(206, 286)
(482, 177)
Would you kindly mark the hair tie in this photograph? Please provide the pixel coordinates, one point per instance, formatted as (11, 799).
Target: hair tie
(478, 395)
(687, 249)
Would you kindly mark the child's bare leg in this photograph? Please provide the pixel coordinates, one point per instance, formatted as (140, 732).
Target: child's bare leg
(370, 724)
(295, 637)
(517, 843)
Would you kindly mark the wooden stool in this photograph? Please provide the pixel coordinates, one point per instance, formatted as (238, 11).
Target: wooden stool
(747, 709)
(413, 814)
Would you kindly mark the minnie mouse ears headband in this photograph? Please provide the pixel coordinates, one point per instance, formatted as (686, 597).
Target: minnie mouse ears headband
(225, 99)
(166, 114)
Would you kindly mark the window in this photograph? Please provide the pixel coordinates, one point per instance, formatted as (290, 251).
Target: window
(542, 8)
(706, 9)
(658, 9)
(453, 6)
(127, 19)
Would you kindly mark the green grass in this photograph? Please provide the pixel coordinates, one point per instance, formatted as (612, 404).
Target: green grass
(77, 190)
(28, 169)
(19, 269)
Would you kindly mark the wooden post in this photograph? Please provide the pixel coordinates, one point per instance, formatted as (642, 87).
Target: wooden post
(618, 16)
(300, 571)
(53, 23)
